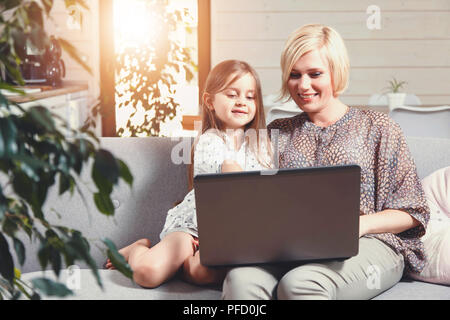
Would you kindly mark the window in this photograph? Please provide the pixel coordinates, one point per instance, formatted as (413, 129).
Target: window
(156, 76)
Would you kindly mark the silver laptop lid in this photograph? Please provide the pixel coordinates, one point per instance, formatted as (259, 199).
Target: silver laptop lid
(293, 215)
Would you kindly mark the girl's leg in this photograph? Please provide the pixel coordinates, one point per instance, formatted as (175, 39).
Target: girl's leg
(125, 252)
(196, 273)
(152, 266)
(373, 270)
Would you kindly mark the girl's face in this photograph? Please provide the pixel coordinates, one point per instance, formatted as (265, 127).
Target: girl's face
(235, 106)
(310, 84)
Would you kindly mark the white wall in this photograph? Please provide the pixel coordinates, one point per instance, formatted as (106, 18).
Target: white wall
(413, 43)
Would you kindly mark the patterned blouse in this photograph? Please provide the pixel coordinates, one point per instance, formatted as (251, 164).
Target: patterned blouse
(388, 174)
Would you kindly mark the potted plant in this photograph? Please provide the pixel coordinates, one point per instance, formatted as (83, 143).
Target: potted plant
(396, 98)
(35, 156)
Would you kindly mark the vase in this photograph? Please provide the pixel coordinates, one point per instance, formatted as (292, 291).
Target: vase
(396, 100)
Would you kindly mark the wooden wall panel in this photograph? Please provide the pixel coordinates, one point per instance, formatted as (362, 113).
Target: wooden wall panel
(413, 43)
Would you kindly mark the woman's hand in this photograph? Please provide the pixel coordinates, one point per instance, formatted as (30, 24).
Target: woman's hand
(362, 225)
(198, 274)
(386, 221)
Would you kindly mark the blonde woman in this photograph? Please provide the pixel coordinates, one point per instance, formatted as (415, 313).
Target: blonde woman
(393, 209)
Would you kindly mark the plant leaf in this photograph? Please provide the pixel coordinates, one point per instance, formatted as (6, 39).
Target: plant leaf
(20, 251)
(117, 259)
(8, 135)
(42, 116)
(64, 183)
(74, 54)
(43, 255)
(104, 203)
(55, 259)
(7, 263)
(125, 172)
(51, 288)
(80, 247)
(106, 165)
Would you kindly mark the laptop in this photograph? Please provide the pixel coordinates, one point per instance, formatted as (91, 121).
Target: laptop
(255, 217)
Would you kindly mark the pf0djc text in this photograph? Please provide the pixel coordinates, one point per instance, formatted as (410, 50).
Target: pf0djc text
(242, 309)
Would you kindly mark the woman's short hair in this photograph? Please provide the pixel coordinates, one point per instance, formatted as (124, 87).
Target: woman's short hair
(310, 37)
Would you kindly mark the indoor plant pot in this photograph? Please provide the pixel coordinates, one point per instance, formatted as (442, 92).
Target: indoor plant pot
(396, 100)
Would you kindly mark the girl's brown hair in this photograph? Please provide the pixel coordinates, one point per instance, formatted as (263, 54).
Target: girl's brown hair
(219, 78)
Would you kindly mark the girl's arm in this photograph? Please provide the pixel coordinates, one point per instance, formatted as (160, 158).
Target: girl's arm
(230, 166)
(389, 220)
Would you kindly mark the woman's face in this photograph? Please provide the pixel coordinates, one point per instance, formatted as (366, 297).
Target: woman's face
(310, 83)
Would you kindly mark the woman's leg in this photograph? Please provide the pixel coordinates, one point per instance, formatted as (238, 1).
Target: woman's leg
(152, 266)
(252, 282)
(373, 270)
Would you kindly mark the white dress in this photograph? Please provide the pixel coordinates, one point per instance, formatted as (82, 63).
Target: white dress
(210, 152)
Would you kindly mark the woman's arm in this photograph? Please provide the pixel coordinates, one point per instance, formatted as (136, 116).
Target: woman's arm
(389, 220)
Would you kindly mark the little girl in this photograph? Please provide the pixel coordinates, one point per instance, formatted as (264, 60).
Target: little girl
(231, 140)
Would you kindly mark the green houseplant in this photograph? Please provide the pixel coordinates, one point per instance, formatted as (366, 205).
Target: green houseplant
(395, 96)
(34, 156)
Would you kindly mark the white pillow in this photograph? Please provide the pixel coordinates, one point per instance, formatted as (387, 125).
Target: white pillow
(437, 237)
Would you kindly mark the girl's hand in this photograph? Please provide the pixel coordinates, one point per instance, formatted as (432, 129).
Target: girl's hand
(195, 244)
(231, 166)
(198, 274)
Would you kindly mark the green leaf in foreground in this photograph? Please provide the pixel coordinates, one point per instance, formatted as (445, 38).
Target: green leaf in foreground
(104, 203)
(51, 288)
(125, 172)
(6, 260)
(117, 259)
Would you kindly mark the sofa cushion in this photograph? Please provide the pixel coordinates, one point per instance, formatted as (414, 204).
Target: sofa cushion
(437, 238)
(118, 287)
(415, 290)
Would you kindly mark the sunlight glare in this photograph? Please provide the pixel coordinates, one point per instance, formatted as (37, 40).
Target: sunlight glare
(133, 23)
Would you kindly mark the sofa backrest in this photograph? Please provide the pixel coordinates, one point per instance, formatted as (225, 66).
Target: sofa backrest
(430, 154)
(140, 211)
(158, 184)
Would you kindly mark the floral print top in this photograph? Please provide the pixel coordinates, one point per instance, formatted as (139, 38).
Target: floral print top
(388, 174)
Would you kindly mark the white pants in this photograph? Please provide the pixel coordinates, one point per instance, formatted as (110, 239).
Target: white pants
(373, 270)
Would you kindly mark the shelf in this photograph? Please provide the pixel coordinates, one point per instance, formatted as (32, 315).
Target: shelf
(48, 91)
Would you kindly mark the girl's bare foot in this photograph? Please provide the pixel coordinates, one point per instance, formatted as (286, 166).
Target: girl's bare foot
(125, 251)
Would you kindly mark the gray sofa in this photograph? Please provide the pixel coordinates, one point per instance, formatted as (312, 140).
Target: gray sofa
(141, 211)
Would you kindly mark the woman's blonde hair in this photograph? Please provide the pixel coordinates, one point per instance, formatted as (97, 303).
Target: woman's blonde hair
(310, 37)
(219, 78)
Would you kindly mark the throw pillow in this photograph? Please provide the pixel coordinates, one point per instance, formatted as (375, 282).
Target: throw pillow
(437, 237)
